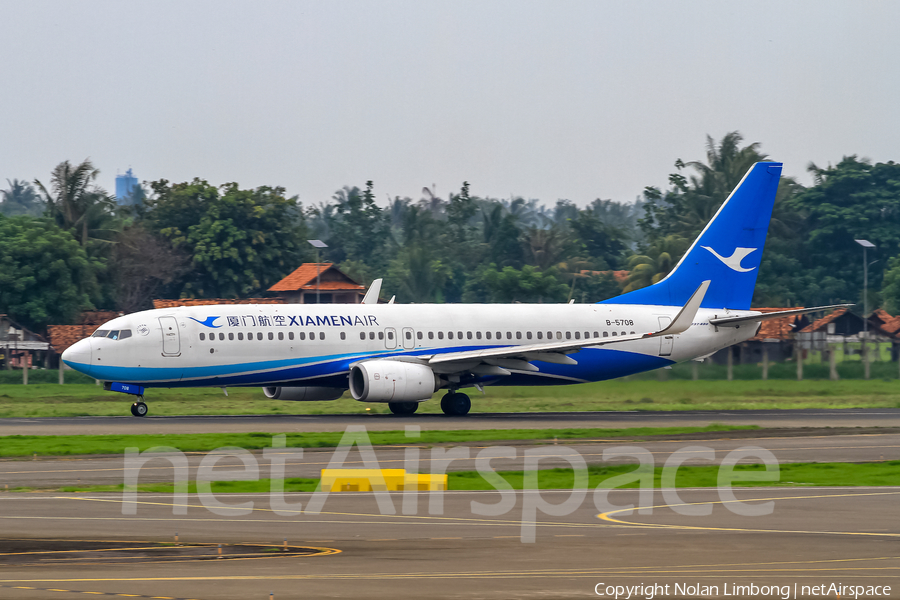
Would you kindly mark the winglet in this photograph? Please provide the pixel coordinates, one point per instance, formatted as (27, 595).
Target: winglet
(686, 315)
(371, 296)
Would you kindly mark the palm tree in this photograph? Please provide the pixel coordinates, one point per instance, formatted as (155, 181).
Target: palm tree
(652, 267)
(20, 199)
(76, 203)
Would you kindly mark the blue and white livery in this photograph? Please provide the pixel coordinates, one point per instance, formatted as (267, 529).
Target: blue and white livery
(403, 354)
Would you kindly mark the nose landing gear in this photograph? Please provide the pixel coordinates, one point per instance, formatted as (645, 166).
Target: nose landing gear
(139, 408)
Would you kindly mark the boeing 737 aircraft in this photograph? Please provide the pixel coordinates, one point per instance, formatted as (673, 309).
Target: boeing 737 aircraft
(403, 354)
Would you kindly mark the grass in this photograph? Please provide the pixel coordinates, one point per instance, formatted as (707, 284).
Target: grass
(791, 475)
(65, 445)
(636, 393)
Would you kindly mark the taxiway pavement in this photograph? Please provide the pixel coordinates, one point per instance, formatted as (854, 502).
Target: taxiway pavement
(872, 417)
(810, 537)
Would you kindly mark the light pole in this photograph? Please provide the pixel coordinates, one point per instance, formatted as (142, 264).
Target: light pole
(318, 245)
(866, 244)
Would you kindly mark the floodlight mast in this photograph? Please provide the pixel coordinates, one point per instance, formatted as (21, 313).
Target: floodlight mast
(866, 244)
(317, 244)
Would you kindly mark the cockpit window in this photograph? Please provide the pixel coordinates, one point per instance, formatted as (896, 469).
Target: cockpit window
(115, 334)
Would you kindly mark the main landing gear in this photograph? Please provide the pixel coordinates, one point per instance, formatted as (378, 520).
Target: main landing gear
(456, 404)
(403, 408)
(139, 409)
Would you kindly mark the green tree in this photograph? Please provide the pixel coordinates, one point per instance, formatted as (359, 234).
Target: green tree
(20, 199)
(852, 200)
(45, 275)
(514, 285)
(657, 262)
(240, 241)
(77, 204)
(890, 289)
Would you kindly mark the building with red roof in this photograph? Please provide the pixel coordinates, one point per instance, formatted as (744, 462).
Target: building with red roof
(322, 280)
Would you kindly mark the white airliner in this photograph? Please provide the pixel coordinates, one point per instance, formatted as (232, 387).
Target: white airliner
(403, 354)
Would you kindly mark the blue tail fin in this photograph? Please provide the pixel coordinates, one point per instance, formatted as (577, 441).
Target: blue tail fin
(728, 251)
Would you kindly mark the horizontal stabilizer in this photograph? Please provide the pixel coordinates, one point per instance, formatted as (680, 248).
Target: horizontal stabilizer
(738, 321)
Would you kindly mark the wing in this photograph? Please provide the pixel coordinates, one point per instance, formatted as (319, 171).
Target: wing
(758, 318)
(494, 361)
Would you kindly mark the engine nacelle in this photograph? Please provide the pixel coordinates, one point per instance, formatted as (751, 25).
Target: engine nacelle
(392, 381)
(303, 394)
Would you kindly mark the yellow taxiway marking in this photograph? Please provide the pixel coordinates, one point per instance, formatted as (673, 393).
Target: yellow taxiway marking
(607, 516)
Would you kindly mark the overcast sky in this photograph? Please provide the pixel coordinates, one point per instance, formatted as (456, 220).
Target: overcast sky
(547, 100)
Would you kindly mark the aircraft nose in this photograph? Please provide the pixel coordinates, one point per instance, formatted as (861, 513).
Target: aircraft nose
(78, 356)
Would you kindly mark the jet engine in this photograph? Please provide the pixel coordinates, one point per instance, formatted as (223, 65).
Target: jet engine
(392, 381)
(303, 394)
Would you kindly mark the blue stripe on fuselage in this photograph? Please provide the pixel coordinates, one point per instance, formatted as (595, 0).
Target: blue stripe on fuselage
(594, 364)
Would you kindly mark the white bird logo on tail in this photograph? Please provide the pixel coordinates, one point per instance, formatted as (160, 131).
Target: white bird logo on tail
(733, 262)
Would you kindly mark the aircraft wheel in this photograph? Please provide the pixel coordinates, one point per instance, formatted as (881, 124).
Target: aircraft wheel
(456, 404)
(403, 408)
(139, 409)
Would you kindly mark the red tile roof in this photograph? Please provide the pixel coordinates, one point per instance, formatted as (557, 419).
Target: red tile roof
(820, 323)
(304, 278)
(775, 329)
(209, 301)
(63, 336)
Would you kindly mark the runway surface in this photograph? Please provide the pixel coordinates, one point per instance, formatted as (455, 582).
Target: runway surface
(875, 417)
(811, 537)
(108, 470)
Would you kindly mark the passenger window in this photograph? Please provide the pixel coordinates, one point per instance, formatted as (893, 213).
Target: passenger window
(240, 336)
(459, 335)
(509, 335)
(419, 334)
(409, 335)
(231, 336)
(605, 334)
(430, 335)
(596, 334)
(440, 335)
(449, 335)
(518, 335)
(380, 335)
(487, 334)
(371, 335)
(614, 334)
(290, 335)
(568, 335)
(302, 336)
(577, 335)
(343, 336)
(202, 336)
(280, 335)
(632, 333)
(126, 333)
(322, 335)
(587, 334)
(623, 333)
(390, 335)
(312, 335)
(271, 336)
(362, 335)
(101, 333)
(468, 335)
(559, 335)
(540, 335)
(221, 337)
(528, 335)
(549, 335)
(258, 335)
(478, 335)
